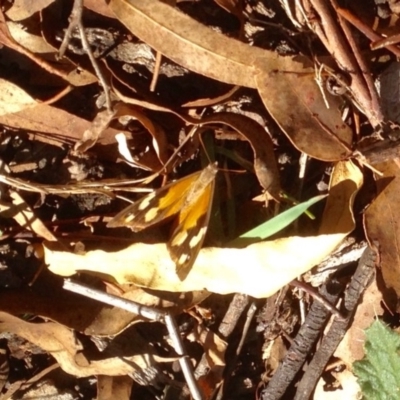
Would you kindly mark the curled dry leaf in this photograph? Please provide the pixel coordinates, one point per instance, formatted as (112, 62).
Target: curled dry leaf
(346, 180)
(265, 165)
(44, 122)
(264, 158)
(160, 143)
(286, 85)
(224, 270)
(214, 346)
(55, 122)
(215, 349)
(64, 346)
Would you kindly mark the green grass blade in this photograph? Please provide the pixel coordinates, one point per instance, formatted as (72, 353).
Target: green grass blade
(275, 224)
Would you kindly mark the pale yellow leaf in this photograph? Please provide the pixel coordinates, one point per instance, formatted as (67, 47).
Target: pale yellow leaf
(259, 270)
(25, 217)
(23, 9)
(13, 98)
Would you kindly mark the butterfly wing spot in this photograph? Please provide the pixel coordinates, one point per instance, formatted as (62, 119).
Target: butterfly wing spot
(129, 218)
(146, 201)
(155, 206)
(182, 261)
(189, 235)
(179, 238)
(195, 240)
(151, 214)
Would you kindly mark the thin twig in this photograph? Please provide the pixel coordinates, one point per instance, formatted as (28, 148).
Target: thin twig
(74, 18)
(344, 56)
(226, 327)
(316, 296)
(95, 64)
(151, 314)
(156, 73)
(366, 73)
(365, 29)
(232, 364)
(76, 22)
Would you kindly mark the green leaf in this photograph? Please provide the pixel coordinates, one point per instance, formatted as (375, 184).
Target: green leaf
(379, 371)
(275, 224)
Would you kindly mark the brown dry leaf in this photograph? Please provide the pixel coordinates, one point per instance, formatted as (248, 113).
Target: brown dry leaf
(92, 135)
(64, 346)
(215, 349)
(232, 6)
(160, 142)
(13, 99)
(224, 270)
(381, 226)
(73, 76)
(101, 7)
(189, 43)
(261, 143)
(69, 309)
(294, 100)
(273, 353)
(211, 102)
(34, 43)
(265, 165)
(286, 85)
(60, 125)
(351, 348)
(114, 387)
(214, 346)
(23, 9)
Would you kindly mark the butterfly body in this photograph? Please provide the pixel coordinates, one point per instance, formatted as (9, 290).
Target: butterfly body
(190, 198)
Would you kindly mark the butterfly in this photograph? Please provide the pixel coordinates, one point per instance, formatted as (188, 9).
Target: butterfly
(190, 198)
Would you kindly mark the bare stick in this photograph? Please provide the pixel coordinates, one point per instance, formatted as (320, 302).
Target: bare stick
(76, 22)
(74, 18)
(149, 313)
